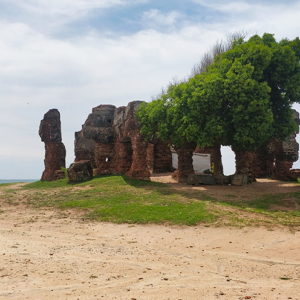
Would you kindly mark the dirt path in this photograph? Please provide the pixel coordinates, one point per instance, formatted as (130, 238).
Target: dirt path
(45, 254)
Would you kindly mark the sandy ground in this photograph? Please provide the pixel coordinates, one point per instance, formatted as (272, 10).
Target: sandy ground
(45, 254)
(49, 254)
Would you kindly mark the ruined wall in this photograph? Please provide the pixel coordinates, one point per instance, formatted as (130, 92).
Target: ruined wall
(277, 157)
(111, 140)
(55, 152)
(96, 129)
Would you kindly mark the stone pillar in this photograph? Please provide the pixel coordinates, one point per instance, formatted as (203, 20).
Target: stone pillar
(123, 157)
(150, 157)
(55, 152)
(162, 160)
(244, 163)
(139, 168)
(263, 163)
(185, 162)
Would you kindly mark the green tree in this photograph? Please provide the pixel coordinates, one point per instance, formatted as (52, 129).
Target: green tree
(167, 118)
(241, 97)
(283, 77)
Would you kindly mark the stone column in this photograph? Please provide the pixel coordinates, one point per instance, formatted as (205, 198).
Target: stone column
(55, 152)
(185, 162)
(244, 163)
(150, 157)
(139, 168)
(262, 163)
(162, 160)
(123, 157)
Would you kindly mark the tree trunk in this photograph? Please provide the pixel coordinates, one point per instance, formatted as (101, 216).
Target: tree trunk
(244, 163)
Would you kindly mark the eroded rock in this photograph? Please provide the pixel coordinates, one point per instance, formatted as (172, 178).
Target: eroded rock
(80, 171)
(277, 157)
(55, 152)
(111, 140)
(96, 129)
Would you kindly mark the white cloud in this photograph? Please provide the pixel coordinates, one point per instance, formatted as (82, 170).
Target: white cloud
(39, 71)
(70, 8)
(155, 17)
(50, 16)
(258, 17)
(228, 6)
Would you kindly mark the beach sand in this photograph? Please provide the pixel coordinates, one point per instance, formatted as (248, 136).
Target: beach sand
(47, 254)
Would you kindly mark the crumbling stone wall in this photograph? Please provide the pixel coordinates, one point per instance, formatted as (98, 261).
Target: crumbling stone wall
(55, 152)
(96, 129)
(111, 140)
(244, 163)
(277, 157)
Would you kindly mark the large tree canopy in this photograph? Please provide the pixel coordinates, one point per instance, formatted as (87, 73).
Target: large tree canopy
(242, 99)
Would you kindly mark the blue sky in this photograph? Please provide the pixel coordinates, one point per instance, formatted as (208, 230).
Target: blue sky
(76, 54)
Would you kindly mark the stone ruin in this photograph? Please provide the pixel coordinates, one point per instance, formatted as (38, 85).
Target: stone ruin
(55, 152)
(274, 160)
(110, 139)
(110, 143)
(277, 157)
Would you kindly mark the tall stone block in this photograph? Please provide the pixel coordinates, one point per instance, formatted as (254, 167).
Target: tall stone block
(96, 129)
(185, 162)
(139, 167)
(55, 152)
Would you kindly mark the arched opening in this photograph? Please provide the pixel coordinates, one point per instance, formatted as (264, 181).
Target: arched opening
(228, 160)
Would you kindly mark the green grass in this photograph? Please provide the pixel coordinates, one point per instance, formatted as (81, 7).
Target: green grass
(266, 202)
(7, 184)
(122, 200)
(280, 208)
(47, 184)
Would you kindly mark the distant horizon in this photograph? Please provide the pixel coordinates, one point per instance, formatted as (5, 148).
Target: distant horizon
(19, 179)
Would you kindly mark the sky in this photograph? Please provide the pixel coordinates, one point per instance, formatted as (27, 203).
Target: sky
(74, 55)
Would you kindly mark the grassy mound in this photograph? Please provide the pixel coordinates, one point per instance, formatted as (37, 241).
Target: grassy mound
(120, 199)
